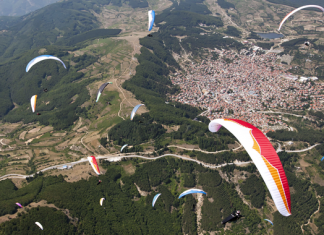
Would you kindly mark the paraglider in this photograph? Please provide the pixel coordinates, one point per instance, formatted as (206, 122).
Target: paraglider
(322, 158)
(39, 225)
(306, 43)
(264, 157)
(235, 215)
(38, 114)
(151, 16)
(45, 90)
(41, 58)
(124, 146)
(18, 204)
(294, 11)
(94, 164)
(33, 103)
(190, 191)
(150, 35)
(99, 182)
(155, 199)
(101, 88)
(101, 201)
(134, 111)
(269, 221)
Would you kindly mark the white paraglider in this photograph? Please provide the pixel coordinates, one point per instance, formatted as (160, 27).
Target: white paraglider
(155, 199)
(298, 9)
(134, 111)
(190, 191)
(39, 225)
(41, 58)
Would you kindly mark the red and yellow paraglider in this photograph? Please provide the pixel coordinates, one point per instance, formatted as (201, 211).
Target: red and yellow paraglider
(264, 157)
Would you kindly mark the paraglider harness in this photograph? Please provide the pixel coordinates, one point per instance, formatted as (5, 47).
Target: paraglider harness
(235, 215)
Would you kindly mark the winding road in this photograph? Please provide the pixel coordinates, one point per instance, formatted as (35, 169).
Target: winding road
(295, 151)
(115, 158)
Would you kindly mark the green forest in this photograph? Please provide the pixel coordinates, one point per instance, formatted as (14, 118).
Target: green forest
(125, 211)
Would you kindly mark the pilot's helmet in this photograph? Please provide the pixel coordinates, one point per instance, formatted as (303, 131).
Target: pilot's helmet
(238, 212)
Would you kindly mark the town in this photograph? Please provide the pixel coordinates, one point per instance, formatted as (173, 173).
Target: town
(244, 85)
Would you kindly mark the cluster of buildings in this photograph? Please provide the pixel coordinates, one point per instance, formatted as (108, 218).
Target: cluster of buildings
(243, 85)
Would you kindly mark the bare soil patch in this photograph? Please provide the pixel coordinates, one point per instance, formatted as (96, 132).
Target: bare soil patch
(78, 172)
(130, 169)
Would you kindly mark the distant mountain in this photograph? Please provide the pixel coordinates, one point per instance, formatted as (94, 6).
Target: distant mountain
(298, 3)
(22, 7)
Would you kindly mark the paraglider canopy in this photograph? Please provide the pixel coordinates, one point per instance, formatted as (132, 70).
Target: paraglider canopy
(264, 157)
(269, 221)
(92, 160)
(134, 111)
(101, 88)
(151, 15)
(39, 225)
(18, 204)
(190, 191)
(41, 58)
(298, 9)
(101, 201)
(155, 199)
(124, 146)
(306, 43)
(33, 100)
(322, 158)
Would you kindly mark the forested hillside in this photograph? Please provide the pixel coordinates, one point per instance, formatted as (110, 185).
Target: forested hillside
(124, 210)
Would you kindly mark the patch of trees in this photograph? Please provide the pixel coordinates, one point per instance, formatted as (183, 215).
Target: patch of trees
(52, 220)
(317, 114)
(221, 158)
(311, 136)
(288, 160)
(224, 4)
(212, 144)
(83, 61)
(292, 44)
(194, 44)
(265, 45)
(196, 6)
(232, 31)
(254, 35)
(254, 188)
(10, 194)
(138, 3)
(189, 218)
(319, 222)
(140, 130)
(189, 181)
(152, 174)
